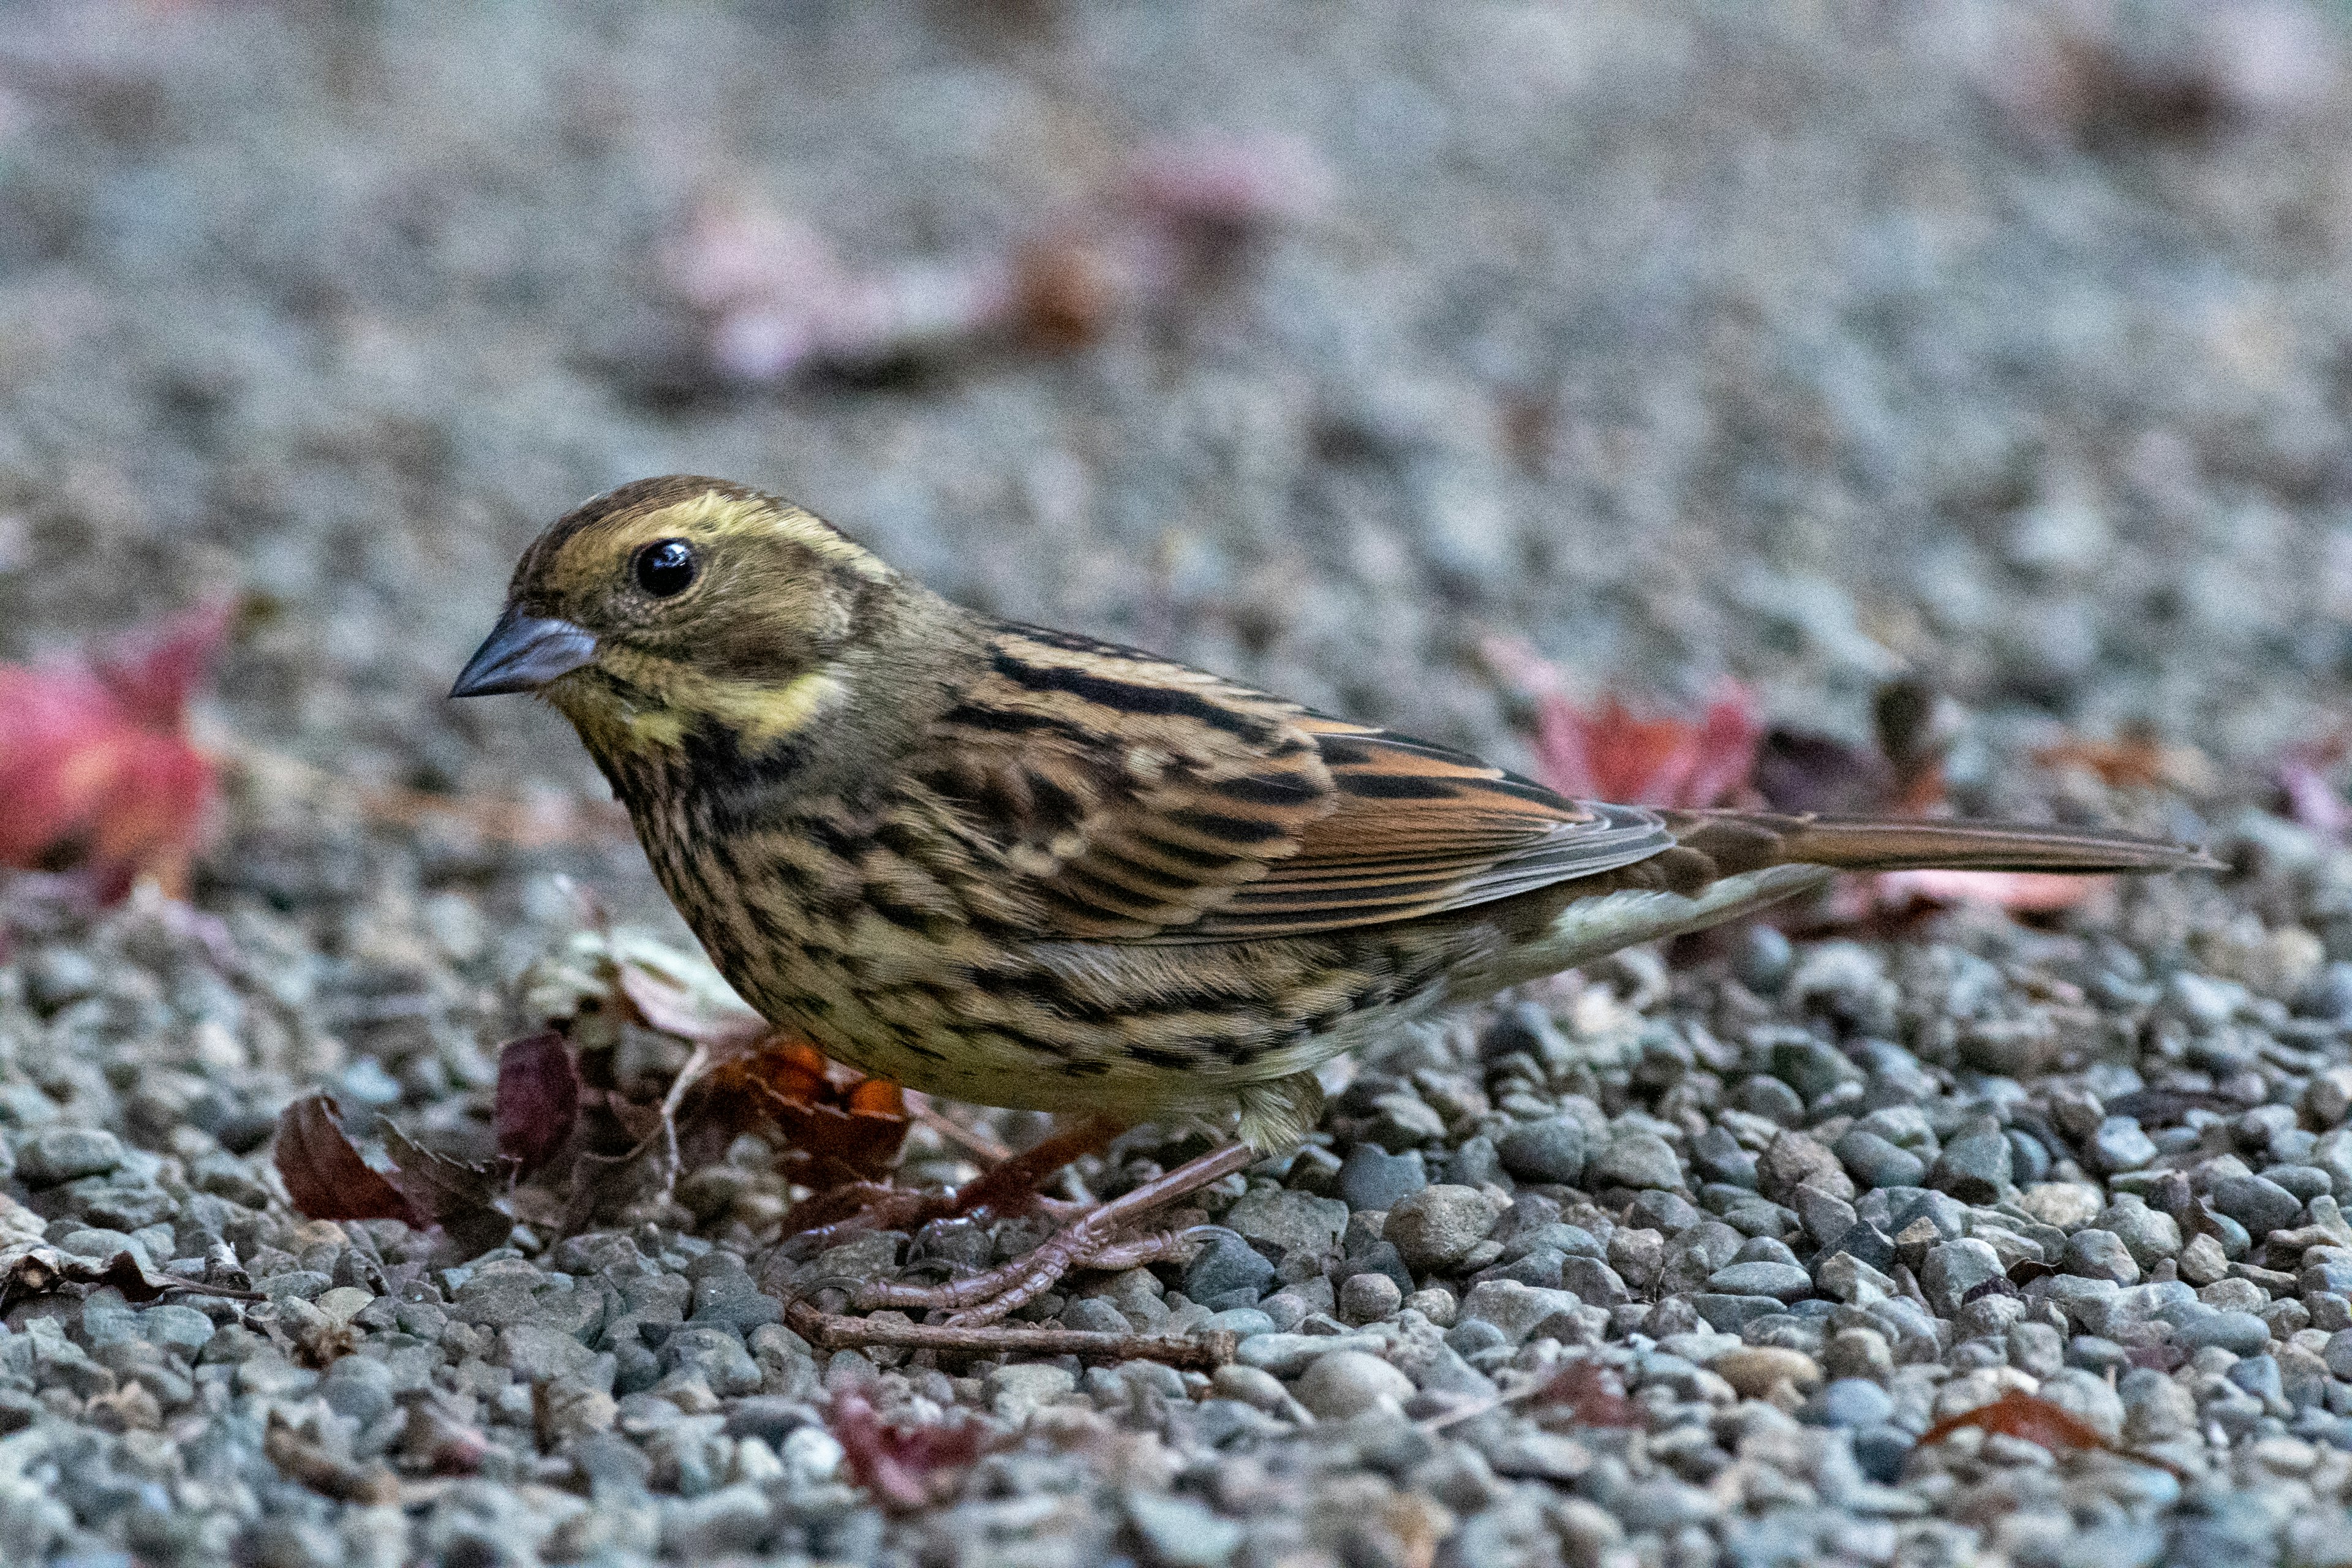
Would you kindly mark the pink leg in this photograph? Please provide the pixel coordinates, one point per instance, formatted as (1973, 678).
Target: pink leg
(984, 1298)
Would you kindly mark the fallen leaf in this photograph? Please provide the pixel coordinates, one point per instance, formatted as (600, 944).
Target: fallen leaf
(458, 1195)
(673, 1003)
(2021, 893)
(96, 764)
(537, 1103)
(1608, 752)
(901, 1465)
(324, 1175)
(2033, 1419)
(1592, 1393)
(2304, 778)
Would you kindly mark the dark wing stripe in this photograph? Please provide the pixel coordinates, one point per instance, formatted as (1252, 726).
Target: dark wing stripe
(1232, 829)
(1267, 790)
(1017, 721)
(1131, 697)
(1396, 786)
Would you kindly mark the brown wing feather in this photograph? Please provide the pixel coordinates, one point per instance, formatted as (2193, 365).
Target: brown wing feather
(1136, 800)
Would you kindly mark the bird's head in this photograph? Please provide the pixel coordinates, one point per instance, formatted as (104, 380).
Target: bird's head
(679, 606)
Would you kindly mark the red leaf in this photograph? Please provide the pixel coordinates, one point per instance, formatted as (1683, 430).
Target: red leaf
(1592, 1393)
(537, 1099)
(325, 1177)
(2017, 1414)
(1608, 751)
(897, 1464)
(95, 762)
(459, 1197)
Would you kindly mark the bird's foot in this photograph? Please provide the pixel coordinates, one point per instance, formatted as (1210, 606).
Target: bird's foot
(1008, 1188)
(1098, 1240)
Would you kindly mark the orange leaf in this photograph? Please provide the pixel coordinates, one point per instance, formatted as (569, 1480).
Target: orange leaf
(2017, 1414)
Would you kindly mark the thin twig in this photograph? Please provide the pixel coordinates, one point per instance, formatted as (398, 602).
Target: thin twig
(833, 1331)
(972, 1140)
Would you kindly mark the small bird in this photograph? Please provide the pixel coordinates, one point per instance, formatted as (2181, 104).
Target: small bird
(1023, 867)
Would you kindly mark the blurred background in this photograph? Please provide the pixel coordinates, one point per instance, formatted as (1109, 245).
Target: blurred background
(2000, 346)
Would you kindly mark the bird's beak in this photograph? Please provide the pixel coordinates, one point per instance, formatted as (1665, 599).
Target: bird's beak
(523, 653)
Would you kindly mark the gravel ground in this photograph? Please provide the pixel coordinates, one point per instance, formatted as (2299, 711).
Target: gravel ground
(1679, 340)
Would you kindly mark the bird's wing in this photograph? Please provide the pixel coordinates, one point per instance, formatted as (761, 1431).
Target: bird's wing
(1129, 799)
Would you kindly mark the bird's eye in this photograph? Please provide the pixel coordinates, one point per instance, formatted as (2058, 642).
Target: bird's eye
(664, 567)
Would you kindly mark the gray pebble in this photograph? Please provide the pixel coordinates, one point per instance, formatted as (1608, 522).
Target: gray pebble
(1852, 1403)
(1373, 1178)
(1953, 1269)
(2117, 1144)
(1552, 1150)
(1782, 1281)
(2241, 1333)
(2100, 1255)
(1874, 1161)
(1975, 1168)
(1436, 1227)
(55, 1154)
(1367, 1299)
(1349, 1382)
(1292, 1223)
(1227, 1264)
(2261, 1206)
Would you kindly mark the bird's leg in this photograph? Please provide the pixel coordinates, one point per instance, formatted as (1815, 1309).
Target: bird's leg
(1008, 1188)
(1091, 1241)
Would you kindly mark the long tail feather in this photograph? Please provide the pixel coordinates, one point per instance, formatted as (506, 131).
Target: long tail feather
(1898, 844)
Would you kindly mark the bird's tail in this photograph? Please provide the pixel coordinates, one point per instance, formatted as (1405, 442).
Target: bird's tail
(1726, 864)
(1912, 844)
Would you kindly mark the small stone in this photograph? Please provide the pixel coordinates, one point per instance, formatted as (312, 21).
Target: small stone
(1227, 1266)
(2155, 1408)
(1295, 1224)
(1367, 1298)
(2100, 1255)
(1635, 1160)
(1015, 1390)
(1764, 958)
(1517, 1310)
(2241, 1333)
(1436, 1303)
(55, 1154)
(1851, 1403)
(1241, 1321)
(1552, 1150)
(734, 1519)
(2261, 1206)
(1092, 1314)
(1782, 1281)
(2118, 1144)
(1436, 1227)
(1349, 1382)
(2064, 1204)
(1953, 1269)
(2202, 1261)
(1182, 1532)
(1717, 1157)
(1976, 1168)
(1754, 1370)
(1873, 1162)
(1288, 1355)
(2150, 1236)
(1373, 1178)
(359, 1387)
(1792, 1160)
(343, 1302)
(1842, 1277)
